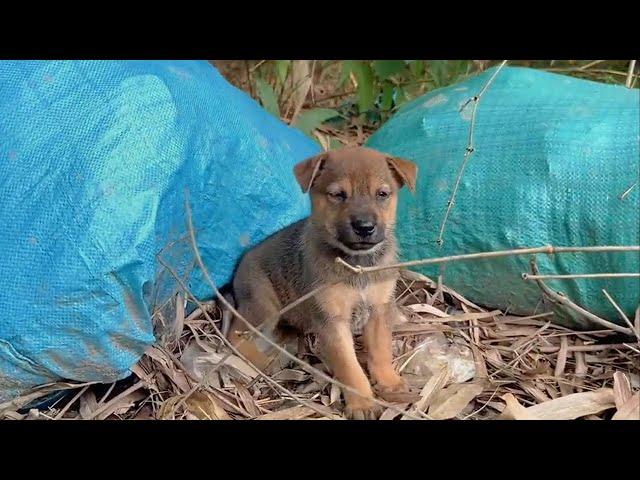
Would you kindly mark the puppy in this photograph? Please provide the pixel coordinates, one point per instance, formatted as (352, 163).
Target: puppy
(354, 194)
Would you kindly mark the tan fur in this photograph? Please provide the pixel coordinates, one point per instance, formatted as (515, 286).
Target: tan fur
(346, 184)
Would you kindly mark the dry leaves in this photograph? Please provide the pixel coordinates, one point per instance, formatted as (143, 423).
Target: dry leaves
(568, 407)
(461, 361)
(451, 401)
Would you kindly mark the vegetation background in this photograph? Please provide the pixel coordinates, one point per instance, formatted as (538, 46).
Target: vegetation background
(341, 102)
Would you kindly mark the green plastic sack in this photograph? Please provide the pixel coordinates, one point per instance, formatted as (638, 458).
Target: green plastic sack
(553, 156)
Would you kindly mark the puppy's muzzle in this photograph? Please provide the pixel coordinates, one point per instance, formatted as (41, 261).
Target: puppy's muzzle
(361, 232)
(363, 227)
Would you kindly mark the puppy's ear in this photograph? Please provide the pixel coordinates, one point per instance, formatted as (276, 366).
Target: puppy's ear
(308, 170)
(404, 170)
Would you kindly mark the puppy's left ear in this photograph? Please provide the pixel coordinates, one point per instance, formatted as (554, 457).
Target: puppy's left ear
(405, 171)
(308, 170)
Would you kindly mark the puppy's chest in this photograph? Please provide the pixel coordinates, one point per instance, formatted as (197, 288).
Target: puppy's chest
(366, 299)
(359, 317)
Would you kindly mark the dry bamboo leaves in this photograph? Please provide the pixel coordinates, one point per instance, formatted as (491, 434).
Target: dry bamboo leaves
(630, 410)
(452, 400)
(568, 407)
(515, 368)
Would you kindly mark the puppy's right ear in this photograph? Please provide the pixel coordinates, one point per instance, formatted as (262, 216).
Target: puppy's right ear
(308, 170)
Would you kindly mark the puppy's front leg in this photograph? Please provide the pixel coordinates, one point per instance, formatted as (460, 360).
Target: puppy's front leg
(377, 339)
(336, 344)
(337, 349)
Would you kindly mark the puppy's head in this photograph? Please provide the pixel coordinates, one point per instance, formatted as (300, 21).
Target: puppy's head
(354, 195)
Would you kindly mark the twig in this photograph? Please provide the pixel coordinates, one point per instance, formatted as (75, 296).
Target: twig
(231, 347)
(483, 406)
(528, 276)
(313, 69)
(468, 151)
(621, 313)
(593, 70)
(589, 65)
(109, 390)
(41, 391)
(631, 347)
(257, 66)
(548, 250)
(248, 71)
(197, 312)
(336, 95)
(248, 324)
(628, 191)
(561, 298)
(585, 348)
(632, 65)
(71, 402)
(115, 399)
(271, 322)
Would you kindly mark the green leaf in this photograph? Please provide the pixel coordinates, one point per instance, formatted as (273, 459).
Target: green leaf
(401, 96)
(386, 68)
(417, 68)
(311, 119)
(347, 68)
(268, 97)
(334, 143)
(447, 72)
(366, 87)
(438, 70)
(282, 68)
(387, 96)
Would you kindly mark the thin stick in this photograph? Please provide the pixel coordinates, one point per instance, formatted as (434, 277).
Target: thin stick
(589, 65)
(593, 70)
(561, 298)
(621, 313)
(483, 406)
(548, 250)
(268, 379)
(586, 348)
(313, 69)
(528, 276)
(631, 348)
(42, 390)
(248, 72)
(197, 312)
(468, 151)
(71, 402)
(283, 351)
(257, 66)
(109, 390)
(628, 191)
(115, 399)
(632, 65)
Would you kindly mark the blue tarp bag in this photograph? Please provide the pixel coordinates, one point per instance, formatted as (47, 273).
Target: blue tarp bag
(95, 158)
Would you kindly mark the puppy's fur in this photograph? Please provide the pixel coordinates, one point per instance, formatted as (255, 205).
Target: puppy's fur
(354, 198)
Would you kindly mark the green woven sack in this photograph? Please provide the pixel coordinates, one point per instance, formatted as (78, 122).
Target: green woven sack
(553, 160)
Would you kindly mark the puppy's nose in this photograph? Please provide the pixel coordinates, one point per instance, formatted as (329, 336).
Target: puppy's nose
(363, 227)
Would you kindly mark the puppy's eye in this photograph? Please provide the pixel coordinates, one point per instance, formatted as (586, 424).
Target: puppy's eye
(338, 196)
(382, 194)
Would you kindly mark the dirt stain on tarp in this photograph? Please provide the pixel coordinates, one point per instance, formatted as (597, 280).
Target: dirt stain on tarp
(134, 305)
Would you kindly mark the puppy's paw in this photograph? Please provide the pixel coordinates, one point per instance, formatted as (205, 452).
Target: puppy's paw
(363, 412)
(391, 383)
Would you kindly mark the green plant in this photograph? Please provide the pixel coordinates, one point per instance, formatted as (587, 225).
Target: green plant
(368, 92)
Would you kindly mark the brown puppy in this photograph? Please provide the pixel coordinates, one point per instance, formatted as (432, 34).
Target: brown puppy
(354, 198)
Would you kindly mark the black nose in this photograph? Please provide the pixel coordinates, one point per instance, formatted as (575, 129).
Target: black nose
(363, 227)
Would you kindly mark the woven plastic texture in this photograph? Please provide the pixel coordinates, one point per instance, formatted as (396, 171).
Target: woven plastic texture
(553, 157)
(95, 157)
